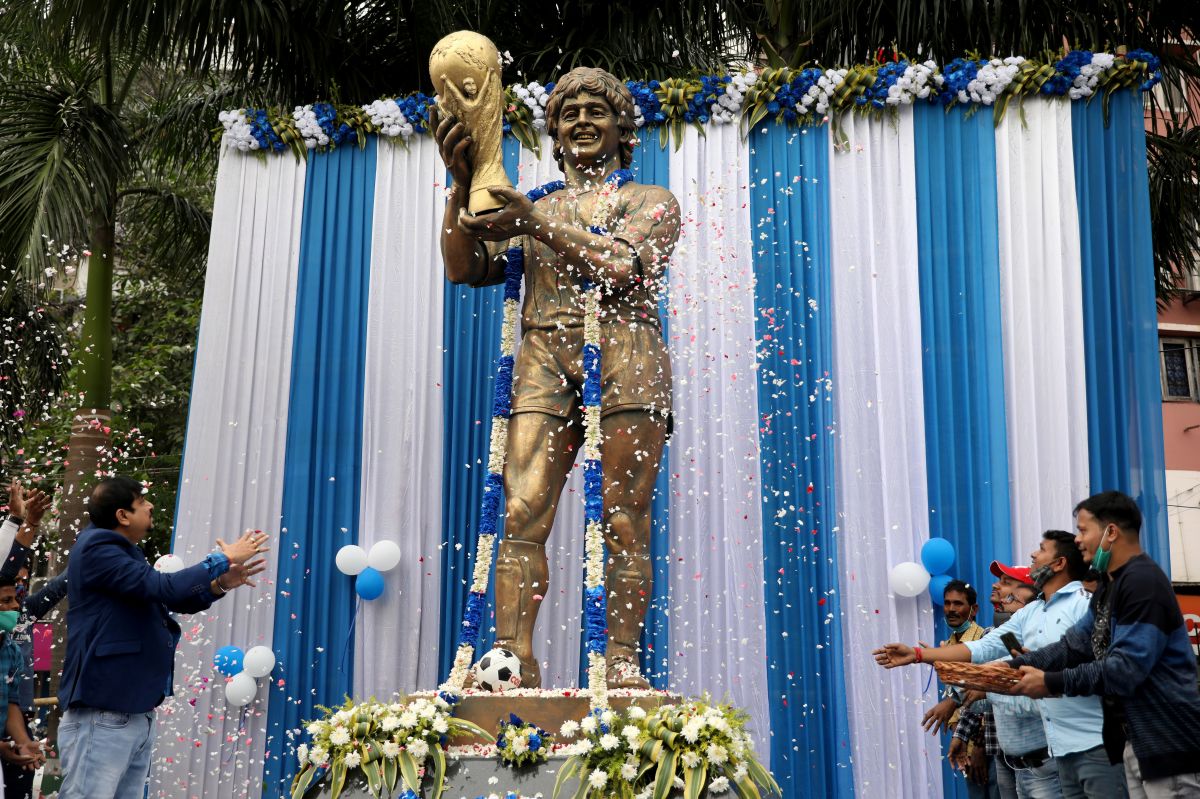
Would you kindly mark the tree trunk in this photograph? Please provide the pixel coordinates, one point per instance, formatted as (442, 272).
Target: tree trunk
(90, 430)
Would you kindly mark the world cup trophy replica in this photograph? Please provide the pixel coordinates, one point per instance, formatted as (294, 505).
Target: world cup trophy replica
(465, 68)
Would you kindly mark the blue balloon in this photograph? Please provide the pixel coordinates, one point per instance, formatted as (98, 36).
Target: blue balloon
(369, 584)
(937, 556)
(937, 588)
(228, 660)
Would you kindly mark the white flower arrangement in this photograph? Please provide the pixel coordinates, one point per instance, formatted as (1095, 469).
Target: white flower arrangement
(310, 129)
(917, 83)
(389, 119)
(728, 108)
(535, 97)
(991, 81)
(819, 97)
(1089, 75)
(647, 755)
(388, 743)
(521, 744)
(237, 130)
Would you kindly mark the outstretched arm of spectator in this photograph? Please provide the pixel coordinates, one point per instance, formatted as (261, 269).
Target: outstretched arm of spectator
(1073, 648)
(42, 601)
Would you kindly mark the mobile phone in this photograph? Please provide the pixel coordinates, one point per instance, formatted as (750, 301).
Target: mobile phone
(1010, 642)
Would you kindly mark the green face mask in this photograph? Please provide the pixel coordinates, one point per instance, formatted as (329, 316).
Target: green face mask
(8, 620)
(1101, 558)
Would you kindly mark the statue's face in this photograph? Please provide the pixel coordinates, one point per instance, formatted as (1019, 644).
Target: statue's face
(588, 132)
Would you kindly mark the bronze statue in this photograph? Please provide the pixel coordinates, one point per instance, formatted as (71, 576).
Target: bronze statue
(590, 122)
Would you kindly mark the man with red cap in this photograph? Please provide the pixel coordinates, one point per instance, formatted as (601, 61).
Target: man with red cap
(1068, 758)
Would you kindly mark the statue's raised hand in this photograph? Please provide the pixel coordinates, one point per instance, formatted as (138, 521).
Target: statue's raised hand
(453, 143)
(516, 218)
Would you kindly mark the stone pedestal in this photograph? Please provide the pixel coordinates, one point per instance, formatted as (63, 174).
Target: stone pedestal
(548, 710)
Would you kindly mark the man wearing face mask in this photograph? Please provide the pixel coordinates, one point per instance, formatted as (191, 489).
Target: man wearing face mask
(1012, 591)
(20, 749)
(1132, 648)
(1020, 731)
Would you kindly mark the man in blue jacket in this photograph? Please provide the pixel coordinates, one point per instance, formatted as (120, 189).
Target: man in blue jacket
(121, 639)
(1131, 648)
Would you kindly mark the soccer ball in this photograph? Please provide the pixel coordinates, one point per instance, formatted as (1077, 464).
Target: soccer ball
(498, 671)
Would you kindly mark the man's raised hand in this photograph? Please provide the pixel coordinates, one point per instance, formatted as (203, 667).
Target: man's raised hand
(37, 502)
(239, 574)
(252, 542)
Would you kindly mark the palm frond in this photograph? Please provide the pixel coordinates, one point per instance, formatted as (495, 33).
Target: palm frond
(60, 152)
(1174, 165)
(166, 228)
(33, 361)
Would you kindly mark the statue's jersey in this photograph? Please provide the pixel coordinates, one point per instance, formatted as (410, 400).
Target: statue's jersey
(553, 298)
(635, 367)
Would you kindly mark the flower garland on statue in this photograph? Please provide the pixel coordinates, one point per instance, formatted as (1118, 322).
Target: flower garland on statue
(806, 96)
(595, 601)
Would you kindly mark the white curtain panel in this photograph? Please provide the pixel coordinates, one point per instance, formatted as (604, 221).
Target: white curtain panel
(1045, 394)
(882, 494)
(396, 640)
(717, 621)
(557, 633)
(233, 467)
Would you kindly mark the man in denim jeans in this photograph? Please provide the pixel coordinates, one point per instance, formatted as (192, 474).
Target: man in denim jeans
(121, 641)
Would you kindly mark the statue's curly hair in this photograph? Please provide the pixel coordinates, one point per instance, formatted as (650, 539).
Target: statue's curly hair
(602, 84)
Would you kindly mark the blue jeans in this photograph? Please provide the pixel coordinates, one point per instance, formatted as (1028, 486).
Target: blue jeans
(1040, 782)
(1006, 778)
(105, 755)
(1089, 775)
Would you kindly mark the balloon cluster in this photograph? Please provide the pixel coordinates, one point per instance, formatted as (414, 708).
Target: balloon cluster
(244, 669)
(909, 578)
(367, 568)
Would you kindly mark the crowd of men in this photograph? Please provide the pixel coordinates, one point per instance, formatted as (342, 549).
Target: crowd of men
(121, 641)
(1106, 704)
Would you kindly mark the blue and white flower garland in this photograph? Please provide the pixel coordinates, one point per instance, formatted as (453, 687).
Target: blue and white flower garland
(805, 96)
(595, 601)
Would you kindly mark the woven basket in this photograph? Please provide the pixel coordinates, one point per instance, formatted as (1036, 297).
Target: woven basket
(994, 678)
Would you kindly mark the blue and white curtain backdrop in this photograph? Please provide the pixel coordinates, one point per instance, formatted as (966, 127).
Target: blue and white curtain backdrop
(904, 327)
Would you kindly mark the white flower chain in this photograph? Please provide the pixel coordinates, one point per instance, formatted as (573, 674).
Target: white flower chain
(311, 130)
(917, 82)
(728, 108)
(991, 80)
(535, 97)
(389, 119)
(819, 96)
(1089, 75)
(237, 130)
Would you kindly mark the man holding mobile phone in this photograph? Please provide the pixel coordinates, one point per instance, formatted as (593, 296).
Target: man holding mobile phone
(1073, 757)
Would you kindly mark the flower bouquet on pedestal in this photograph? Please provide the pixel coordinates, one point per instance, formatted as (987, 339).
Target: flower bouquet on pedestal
(695, 749)
(387, 742)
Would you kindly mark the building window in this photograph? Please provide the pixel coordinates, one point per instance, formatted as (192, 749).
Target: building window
(1179, 363)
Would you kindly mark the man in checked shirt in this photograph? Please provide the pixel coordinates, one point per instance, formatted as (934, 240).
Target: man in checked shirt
(974, 747)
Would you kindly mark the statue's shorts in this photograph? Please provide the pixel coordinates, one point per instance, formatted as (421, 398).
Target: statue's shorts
(635, 371)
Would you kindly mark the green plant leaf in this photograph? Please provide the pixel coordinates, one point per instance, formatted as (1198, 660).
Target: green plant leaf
(374, 778)
(693, 782)
(439, 770)
(337, 779)
(391, 773)
(568, 769)
(665, 777)
(408, 770)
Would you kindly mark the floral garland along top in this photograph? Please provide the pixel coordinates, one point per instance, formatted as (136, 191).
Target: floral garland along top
(806, 96)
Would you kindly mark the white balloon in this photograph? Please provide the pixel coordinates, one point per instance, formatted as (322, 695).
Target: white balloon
(259, 661)
(169, 564)
(384, 555)
(351, 559)
(908, 578)
(241, 690)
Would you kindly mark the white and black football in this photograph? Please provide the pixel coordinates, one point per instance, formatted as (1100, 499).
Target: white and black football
(498, 671)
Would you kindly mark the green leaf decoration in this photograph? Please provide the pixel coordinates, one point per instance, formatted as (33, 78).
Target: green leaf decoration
(302, 781)
(568, 770)
(408, 770)
(337, 781)
(693, 782)
(374, 778)
(439, 770)
(664, 780)
(391, 773)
